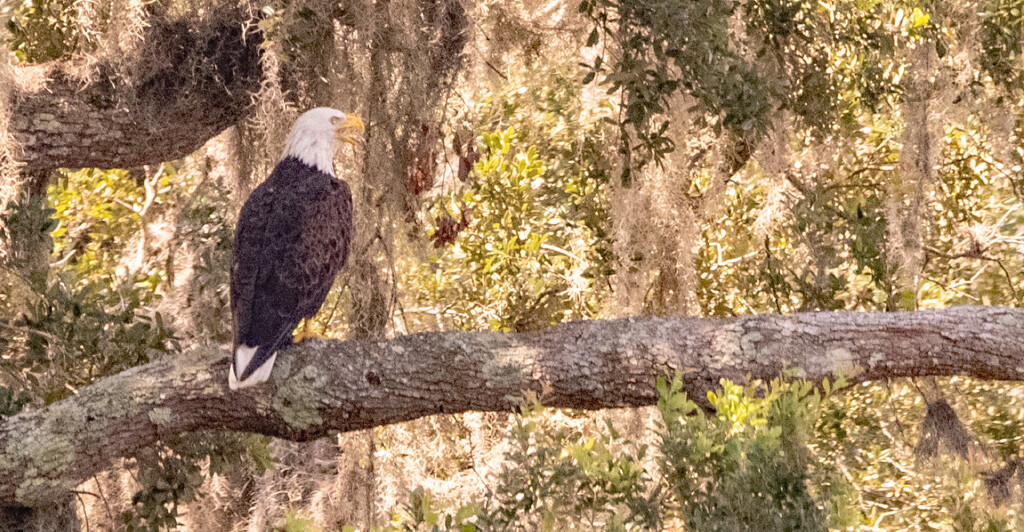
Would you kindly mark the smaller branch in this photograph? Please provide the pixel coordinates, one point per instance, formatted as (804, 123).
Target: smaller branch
(1009, 279)
(63, 261)
(561, 251)
(953, 289)
(106, 504)
(980, 255)
(495, 70)
(28, 330)
(775, 291)
(85, 513)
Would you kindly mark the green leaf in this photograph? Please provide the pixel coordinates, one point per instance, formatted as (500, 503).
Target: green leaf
(49, 225)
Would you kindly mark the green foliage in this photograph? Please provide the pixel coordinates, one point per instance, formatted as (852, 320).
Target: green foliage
(293, 522)
(42, 30)
(1002, 30)
(11, 405)
(826, 62)
(172, 474)
(559, 476)
(79, 322)
(836, 68)
(168, 481)
(30, 221)
(538, 241)
(834, 247)
(782, 455)
(975, 218)
(657, 61)
(747, 467)
(98, 217)
(897, 489)
(73, 337)
(93, 313)
(420, 514)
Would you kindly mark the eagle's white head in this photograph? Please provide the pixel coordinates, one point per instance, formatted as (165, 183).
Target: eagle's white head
(317, 134)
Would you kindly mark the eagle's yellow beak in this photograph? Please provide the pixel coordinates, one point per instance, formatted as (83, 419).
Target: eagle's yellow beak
(352, 130)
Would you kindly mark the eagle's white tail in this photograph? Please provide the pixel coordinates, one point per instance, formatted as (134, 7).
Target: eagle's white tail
(244, 354)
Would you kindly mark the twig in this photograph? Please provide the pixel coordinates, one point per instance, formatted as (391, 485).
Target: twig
(495, 69)
(1009, 279)
(953, 289)
(980, 256)
(63, 260)
(28, 330)
(85, 511)
(775, 292)
(561, 251)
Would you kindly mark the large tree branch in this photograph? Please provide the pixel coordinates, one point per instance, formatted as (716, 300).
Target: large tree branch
(319, 387)
(193, 80)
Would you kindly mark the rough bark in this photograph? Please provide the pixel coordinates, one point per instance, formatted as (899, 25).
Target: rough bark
(319, 387)
(195, 80)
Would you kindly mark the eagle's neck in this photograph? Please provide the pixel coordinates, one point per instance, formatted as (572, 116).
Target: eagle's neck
(315, 150)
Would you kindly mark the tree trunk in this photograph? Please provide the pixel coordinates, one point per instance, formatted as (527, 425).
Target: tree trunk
(319, 387)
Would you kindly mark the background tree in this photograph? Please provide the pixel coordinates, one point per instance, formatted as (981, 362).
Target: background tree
(707, 159)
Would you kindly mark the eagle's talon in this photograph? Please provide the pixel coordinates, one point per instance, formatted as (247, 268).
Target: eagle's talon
(307, 332)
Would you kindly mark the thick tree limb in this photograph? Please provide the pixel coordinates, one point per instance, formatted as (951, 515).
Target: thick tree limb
(195, 80)
(319, 387)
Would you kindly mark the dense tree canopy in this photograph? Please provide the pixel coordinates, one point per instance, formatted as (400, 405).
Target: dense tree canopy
(526, 164)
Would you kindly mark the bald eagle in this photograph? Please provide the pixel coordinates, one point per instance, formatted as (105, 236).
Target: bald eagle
(292, 238)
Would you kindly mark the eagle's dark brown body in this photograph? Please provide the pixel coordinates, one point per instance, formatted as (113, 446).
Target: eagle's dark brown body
(293, 236)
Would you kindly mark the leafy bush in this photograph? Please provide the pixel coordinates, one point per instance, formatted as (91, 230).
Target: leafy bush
(536, 239)
(746, 466)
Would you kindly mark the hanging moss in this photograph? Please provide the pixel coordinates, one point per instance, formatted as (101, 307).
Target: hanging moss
(9, 177)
